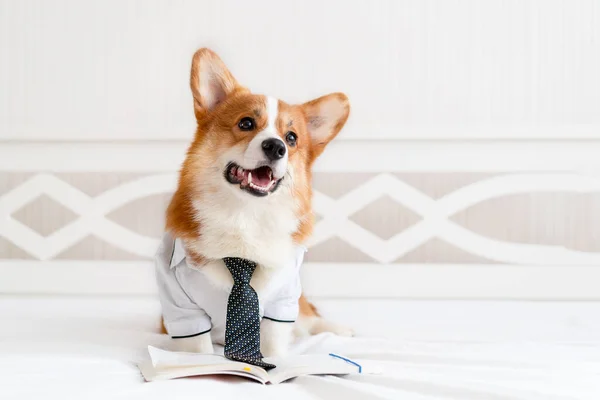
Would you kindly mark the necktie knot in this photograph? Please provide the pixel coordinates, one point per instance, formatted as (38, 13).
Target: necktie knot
(241, 269)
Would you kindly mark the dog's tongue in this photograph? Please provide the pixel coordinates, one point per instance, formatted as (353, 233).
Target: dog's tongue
(261, 176)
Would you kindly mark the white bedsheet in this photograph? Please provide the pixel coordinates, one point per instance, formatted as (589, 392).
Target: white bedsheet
(74, 348)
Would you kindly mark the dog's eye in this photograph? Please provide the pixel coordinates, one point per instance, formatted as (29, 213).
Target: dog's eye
(291, 138)
(246, 124)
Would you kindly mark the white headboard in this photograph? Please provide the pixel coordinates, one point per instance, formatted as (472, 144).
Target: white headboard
(432, 255)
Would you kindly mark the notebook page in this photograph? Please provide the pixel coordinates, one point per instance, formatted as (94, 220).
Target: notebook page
(188, 364)
(164, 358)
(151, 374)
(292, 366)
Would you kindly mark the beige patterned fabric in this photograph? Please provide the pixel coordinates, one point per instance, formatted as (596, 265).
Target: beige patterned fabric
(568, 220)
(559, 219)
(44, 215)
(385, 217)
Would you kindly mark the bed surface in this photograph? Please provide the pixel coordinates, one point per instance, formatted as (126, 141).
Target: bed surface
(86, 348)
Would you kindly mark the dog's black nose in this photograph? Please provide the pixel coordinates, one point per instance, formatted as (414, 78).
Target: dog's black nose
(274, 149)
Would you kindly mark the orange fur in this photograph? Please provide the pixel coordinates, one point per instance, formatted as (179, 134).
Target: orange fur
(217, 131)
(306, 308)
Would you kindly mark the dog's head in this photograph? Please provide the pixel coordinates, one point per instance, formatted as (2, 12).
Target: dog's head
(250, 147)
(257, 141)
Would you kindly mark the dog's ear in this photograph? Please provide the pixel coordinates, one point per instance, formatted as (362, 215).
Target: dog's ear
(210, 80)
(325, 117)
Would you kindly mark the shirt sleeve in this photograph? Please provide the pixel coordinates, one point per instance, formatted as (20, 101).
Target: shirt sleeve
(182, 317)
(283, 307)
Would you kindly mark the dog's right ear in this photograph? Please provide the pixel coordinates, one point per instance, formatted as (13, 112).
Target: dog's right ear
(210, 80)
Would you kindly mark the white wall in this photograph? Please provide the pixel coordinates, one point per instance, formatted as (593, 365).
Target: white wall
(413, 69)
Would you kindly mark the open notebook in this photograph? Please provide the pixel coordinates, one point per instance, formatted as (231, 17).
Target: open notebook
(165, 364)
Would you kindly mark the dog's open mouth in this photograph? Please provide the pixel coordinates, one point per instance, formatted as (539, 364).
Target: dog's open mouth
(258, 181)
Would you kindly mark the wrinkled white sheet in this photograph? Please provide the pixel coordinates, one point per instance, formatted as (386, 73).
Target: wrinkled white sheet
(86, 349)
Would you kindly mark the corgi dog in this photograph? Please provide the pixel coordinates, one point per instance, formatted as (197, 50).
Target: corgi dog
(244, 191)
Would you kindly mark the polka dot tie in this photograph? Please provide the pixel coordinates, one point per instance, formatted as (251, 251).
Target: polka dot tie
(242, 329)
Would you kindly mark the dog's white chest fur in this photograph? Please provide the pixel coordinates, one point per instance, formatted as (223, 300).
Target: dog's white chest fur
(260, 231)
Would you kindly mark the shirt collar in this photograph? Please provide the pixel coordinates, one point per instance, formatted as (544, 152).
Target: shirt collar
(178, 254)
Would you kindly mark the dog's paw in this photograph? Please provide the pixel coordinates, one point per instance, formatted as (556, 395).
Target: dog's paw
(341, 330)
(269, 350)
(275, 338)
(195, 344)
(316, 325)
(337, 329)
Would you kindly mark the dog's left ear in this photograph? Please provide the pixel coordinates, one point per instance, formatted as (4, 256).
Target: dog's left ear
(325, 117)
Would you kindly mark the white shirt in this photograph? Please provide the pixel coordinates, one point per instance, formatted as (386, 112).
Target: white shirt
(193, 304)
